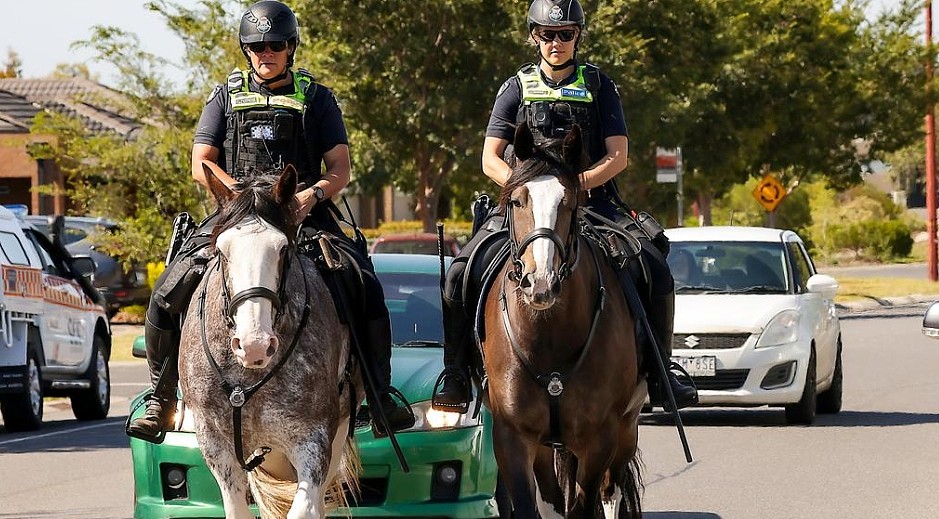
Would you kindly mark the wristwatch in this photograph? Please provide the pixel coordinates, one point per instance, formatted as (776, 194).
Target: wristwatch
(319, 194)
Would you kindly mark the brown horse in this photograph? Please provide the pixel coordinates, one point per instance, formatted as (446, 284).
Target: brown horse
(560, 349)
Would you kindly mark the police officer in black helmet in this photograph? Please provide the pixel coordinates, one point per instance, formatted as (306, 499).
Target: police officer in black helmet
(551, 96)
(264, 118)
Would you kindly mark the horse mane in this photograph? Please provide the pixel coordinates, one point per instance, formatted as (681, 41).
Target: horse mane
(255, 198)
(545, 161)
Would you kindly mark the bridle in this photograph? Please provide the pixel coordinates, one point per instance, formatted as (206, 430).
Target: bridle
(569, 251)
(277, 299)
(238, 394)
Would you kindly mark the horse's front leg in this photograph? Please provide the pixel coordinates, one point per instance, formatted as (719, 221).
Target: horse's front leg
(313, 459)
(515, 458)
(231, 477)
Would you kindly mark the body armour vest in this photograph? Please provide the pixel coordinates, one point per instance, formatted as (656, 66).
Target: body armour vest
(265, 133)
(552, 111)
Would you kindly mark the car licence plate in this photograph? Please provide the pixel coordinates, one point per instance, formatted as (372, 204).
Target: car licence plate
(698, 366)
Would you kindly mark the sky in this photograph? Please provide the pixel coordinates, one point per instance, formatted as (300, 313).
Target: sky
(43, 30)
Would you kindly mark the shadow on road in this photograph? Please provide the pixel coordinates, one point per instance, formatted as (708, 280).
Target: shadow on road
(765, 417)
(66, 436)
(673, 515)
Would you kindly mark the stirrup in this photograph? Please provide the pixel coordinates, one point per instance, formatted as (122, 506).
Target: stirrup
(395, 395)
(155, 439)
(461, 408)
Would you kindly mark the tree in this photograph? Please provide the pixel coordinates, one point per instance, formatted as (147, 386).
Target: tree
(417, 80)
(13, 67)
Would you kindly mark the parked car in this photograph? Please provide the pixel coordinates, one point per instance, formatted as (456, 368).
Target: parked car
(755, 324)
(54, 335)
(120, 286)
(453, 472)
(414, 243)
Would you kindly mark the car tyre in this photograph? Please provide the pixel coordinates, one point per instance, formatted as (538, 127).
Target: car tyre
(23, 411)
(803, 411)
(95, 402)
(829, 401)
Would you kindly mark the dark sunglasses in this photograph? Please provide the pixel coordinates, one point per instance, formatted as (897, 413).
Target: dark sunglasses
(547, 35)
(259, 46)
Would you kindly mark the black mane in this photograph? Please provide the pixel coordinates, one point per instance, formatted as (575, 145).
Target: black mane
(546, 161)
(255, 198)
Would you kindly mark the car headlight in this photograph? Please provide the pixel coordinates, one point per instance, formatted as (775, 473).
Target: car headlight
(429, 419)
(782, 329)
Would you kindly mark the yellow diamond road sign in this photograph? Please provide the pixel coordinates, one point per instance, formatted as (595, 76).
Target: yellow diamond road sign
(769, 192)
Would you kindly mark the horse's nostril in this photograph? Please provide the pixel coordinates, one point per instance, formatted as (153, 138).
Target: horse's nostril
(271, 350)
(526, 281)
(235, 344)
(259, 362)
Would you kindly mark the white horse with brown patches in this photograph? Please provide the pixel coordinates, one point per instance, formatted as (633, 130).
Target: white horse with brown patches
(265, 361)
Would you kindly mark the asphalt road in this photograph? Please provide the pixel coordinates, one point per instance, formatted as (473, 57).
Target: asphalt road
(877, 459)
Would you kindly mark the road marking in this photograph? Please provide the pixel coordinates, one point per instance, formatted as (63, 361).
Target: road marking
(69, 431)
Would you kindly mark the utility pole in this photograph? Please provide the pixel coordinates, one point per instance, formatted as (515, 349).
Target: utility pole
(930, 151)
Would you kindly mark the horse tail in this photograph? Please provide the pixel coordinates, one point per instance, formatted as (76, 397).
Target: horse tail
(346, 483)
(273, 495)
(630, 481)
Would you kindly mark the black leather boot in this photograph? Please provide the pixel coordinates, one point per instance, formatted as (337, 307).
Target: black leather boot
(452, 390)
(377, 347)
(661, 316)
(158, 417)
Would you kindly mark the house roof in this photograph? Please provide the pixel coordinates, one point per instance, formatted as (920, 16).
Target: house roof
(16, 113)
(97, 106)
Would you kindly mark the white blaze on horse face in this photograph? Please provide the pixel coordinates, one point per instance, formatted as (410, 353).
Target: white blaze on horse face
(254, 253)
(546, 194)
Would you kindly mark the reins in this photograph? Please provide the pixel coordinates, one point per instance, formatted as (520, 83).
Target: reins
(238, 395)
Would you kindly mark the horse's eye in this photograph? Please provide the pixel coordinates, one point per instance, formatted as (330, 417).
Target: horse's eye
(516, 202)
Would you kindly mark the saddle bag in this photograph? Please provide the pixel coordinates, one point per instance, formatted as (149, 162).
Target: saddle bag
(181, 278)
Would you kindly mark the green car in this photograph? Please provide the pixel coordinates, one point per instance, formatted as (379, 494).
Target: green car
(453, 471)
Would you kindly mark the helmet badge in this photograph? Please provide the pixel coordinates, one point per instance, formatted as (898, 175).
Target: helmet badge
(264, 25)
(556, 13)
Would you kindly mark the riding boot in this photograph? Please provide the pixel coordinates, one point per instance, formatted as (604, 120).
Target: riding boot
(661, 318)
(158, 417)
(377, 349)
(454, 394)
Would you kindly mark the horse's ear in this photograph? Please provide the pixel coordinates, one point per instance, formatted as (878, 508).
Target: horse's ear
(219, 190)
(573, 147)
(286, 185)
(524, 142)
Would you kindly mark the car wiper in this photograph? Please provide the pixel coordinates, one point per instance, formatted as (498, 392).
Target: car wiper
(701, 288)
(421, 344)
(763, 288)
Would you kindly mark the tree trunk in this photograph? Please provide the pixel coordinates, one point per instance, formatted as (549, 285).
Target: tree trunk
(704, 208)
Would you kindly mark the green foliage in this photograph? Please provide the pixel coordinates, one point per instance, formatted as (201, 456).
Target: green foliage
(874, 239)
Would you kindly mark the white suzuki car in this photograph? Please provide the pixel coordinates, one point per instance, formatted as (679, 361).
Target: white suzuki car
(754, 323)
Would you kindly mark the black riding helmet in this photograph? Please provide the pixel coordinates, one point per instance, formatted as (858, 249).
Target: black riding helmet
(269, 20)
(555, 13)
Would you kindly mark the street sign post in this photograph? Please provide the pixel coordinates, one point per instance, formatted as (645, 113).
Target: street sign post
(668, 170)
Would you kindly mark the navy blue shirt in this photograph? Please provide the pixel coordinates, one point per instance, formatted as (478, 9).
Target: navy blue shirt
(502, 121)
(323, 126)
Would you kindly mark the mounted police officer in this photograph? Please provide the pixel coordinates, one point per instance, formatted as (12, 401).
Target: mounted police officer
(264, 118)
(552, 96)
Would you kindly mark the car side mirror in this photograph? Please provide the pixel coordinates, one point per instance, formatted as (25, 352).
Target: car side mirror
(822, 284)
(139, 349)
(84, 266)
(931, 321)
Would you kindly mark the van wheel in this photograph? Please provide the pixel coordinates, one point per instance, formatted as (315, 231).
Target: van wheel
(95, 402)
(23, 411)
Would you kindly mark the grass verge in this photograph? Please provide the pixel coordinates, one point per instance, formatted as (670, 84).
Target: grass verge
(855, 289)
(122, 341)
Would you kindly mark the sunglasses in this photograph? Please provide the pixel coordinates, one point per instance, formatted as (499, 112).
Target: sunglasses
(547, 35)
(259, 46)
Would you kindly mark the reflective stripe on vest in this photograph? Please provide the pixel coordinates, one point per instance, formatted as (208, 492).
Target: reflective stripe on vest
(243, 99)
(535, 89)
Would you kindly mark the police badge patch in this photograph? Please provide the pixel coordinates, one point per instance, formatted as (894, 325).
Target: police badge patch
(264, 25)
(556, 14)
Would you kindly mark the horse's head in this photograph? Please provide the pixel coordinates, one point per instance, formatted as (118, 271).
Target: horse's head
(541, 198)
(253, 236)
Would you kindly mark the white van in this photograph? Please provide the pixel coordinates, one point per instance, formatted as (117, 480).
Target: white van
(55, 339)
